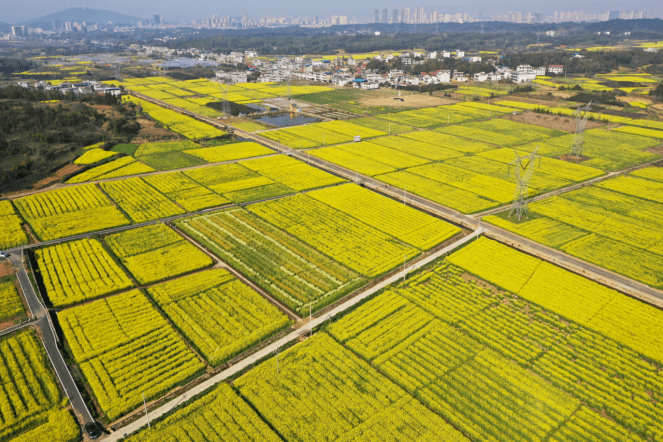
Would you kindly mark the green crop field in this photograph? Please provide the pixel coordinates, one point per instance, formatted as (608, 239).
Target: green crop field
(605, 149)
(170, 160)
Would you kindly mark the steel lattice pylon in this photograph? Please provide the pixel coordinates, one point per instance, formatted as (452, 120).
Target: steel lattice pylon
(524, 168)
(225, 103)
(578, 140)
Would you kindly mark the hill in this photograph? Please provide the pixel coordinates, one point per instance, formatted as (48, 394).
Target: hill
(5, 27)
(87, 15)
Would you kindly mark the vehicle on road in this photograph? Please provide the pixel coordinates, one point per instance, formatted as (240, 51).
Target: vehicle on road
(4, 255)
(92, 429)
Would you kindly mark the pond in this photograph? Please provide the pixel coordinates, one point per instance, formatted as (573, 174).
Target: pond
(285, 119)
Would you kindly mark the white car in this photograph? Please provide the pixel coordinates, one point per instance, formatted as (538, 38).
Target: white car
(4, 255)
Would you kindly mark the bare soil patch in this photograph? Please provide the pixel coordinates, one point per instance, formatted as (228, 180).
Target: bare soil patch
(150, 133)
(414, 100)
(63, 171)
(630, 98)
(6, 269)
(563, 94)
(656, 149)
(549, 121)
(572, 159)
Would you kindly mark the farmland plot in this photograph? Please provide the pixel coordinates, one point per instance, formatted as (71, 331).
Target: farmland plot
(533, 364)
(124, 348)
(606, 149)
(11, 226)
(404, 223)
(325, 393)
(11, 306)
(113, 169)
(290, 270)
(155, 253)
(228, 152)
(187, 193)
(219, 314)
(614, 229)
(139, 200)
(352, 243)
(218, 415)
(70, 211)
(29, 390)
(501, 132)
(79, 271)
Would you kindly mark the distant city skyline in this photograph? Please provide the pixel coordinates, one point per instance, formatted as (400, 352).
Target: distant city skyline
(176, 11)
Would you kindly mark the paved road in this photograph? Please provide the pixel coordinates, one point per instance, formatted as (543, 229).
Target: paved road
(43, 325)
(267, 351)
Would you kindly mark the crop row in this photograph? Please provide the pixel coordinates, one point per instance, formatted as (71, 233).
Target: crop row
(29, 388)
(11, 226)
(124, 348)
(187, 126)
(220, 315)
(323, 392)
(287, 268)
(79, 271)
(156, 252)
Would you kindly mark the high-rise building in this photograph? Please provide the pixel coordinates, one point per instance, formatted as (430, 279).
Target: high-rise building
(419, 15)
(405, 15)
(157, 19)
(394, 15)
(613, 15)
(377, 16)
(433, 18)
(17, 31)
(384, 16)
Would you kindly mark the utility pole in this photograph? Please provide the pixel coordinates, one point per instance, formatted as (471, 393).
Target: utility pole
(146, 415)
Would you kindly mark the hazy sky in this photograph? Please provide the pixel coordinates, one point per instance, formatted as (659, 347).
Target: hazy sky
(177, 10)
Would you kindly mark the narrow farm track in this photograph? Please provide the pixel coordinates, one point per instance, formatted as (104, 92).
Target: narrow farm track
(120, 433)
(45, 329)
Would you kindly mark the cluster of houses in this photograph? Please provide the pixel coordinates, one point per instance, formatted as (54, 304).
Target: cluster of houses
(371, 79)
(88, 87)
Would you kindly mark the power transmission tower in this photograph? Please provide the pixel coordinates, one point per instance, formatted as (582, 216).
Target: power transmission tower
(581, 115)
(524, 168)
(225, 103)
